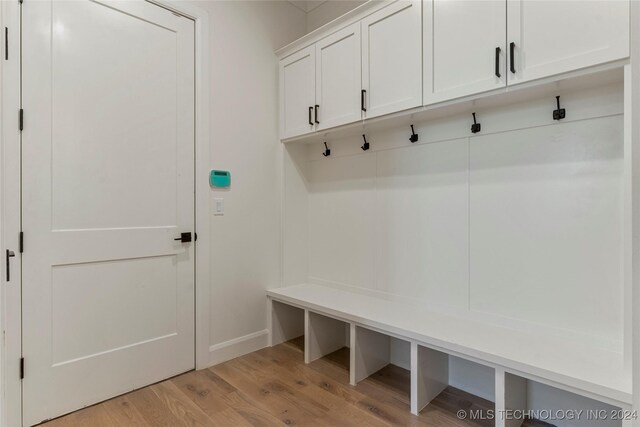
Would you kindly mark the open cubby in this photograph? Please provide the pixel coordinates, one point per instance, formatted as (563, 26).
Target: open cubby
(382, 359)
(530, 403)
(450, 384)
(287, 324)
(326, 338)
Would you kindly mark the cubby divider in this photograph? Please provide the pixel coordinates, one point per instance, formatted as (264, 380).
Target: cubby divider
(511, 395)
(429, 376)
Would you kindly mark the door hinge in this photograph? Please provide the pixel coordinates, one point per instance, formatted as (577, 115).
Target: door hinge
(21, 119)
(8, 255)
(22, 368)
(21, 242)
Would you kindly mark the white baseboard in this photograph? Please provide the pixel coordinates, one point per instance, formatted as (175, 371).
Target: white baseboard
(237, 347)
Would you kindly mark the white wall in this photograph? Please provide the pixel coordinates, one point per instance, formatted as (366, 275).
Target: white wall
(245, 248)
(328, 11)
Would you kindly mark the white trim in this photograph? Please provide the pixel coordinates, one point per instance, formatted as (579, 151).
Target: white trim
(634, 182)
(202, 167)
(237, 347)
(10, 295)
(627, 261)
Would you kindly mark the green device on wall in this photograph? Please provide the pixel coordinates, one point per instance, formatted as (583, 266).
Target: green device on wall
(220, 179)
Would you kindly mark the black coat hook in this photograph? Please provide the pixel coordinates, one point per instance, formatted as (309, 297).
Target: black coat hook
(414, 135)
(366, 145)
(475, 127)
(560, 113)
(327, 151)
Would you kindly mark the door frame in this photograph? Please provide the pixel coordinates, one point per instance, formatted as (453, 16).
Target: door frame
(10, 206)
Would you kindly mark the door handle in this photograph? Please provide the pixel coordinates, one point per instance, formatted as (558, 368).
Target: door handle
(316, 112)
(498, 62)
(10, 254)
(310, 111)
(512, 53)
(363, 93)
(184, 238)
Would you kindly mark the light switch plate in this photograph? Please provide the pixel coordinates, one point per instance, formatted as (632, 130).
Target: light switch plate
(219, 206)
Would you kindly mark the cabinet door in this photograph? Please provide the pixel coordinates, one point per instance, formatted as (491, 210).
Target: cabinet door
(552, 37)
(392, 58)
(297, 93)
(338, 78)
(464, 48)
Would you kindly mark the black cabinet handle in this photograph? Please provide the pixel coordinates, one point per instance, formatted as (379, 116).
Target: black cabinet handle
(310, 111)
(498, 62)
(317, 121)
(512, 60)
(362, 100)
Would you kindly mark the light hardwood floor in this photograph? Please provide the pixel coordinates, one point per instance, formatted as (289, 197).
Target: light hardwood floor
(273, 387)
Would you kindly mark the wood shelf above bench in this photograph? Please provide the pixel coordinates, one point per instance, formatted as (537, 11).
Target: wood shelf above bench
(571, 366)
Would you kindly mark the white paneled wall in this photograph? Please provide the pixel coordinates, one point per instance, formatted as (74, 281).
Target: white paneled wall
(526, 213)
(422, 222)
(342, 246)
(295, 214)
(546, 225)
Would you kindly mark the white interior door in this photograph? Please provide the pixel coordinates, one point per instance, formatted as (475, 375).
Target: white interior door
(108, 183)
(298, 93)
(392, 58)
(464, 46)
(338, 78)
(555, 36)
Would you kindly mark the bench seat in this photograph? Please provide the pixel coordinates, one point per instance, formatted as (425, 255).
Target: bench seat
(570, 365)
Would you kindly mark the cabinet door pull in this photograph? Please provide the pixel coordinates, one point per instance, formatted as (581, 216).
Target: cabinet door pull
(310, 112)
(362, 100)
(317, 121)
(512, 60)
(498, 62)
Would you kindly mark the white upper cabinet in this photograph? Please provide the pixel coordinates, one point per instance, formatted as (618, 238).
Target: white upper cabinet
(464, 48)
(394, 56)
(338, 78)
(552, 37)
(392, 59)
(298, 93)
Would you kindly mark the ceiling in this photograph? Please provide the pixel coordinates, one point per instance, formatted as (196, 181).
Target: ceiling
(306, 5)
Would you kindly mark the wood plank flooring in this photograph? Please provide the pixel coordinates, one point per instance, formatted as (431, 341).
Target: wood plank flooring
(272, 387)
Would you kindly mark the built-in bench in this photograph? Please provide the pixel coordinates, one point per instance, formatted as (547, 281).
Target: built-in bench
(331, 318)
